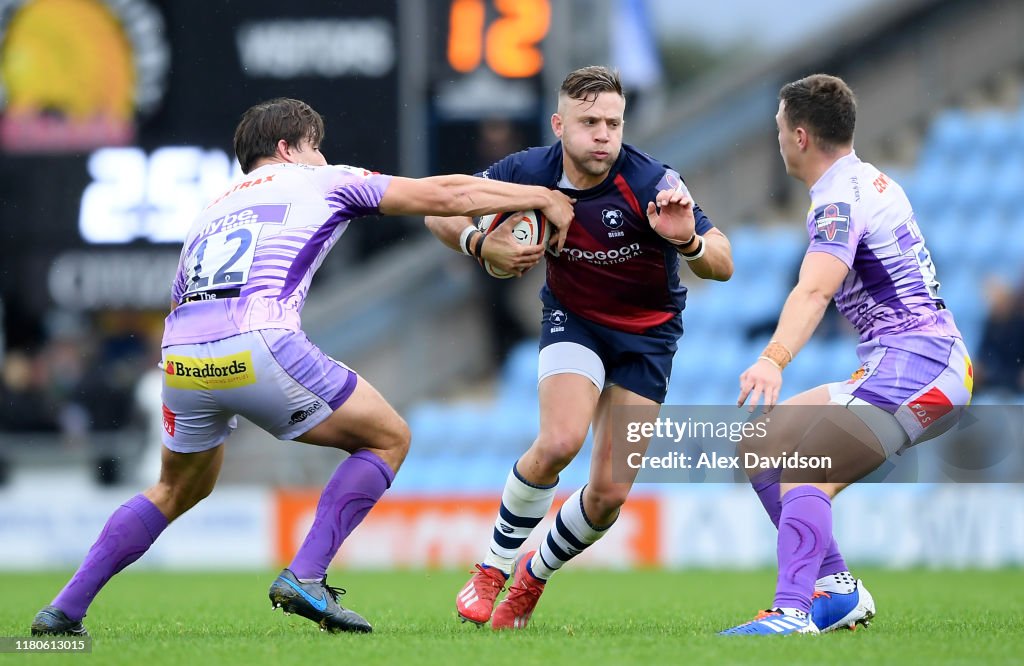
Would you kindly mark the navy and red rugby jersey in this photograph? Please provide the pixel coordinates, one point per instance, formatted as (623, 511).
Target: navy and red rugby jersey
(615, 270)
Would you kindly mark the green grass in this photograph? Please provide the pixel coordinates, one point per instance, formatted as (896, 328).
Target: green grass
(585, 618)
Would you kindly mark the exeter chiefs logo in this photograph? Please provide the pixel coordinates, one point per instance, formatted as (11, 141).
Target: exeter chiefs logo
(74, 73)
(832, 222)
(612, 218)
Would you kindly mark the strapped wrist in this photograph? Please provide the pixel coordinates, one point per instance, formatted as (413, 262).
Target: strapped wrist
(777, 354)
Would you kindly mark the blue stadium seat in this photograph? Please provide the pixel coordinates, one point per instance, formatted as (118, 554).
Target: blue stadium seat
(1016, 141)
(745, 241)
(944, 239)
(428, 422)
(819, 362)
(950, 136)
(519, 373)
(930, 188)
(423, 472)
(963, 292)
(512, 425)
(704, 310)
(466, 427)
(987, 229)
(993, 131)
(1010, 249)
(709, 375)
(968, 186)
(782, 250)
(1006, 188)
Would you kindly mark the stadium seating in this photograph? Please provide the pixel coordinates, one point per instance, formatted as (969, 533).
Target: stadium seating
(967, 189)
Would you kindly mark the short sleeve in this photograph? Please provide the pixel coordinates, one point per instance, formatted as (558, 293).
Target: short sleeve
(834, 230)
(671, 180)
(358, 189)
(503, 170)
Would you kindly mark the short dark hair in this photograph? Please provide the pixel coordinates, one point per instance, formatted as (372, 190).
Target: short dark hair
(824, 105)
(589, 82)
(266, 123)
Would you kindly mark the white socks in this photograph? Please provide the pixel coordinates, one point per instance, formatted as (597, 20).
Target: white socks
(523, 506)
(567, 538)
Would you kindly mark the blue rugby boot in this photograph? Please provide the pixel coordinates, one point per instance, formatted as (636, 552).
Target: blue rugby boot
(51, 621)
(773, 623)
(317, 602)
(832, 610)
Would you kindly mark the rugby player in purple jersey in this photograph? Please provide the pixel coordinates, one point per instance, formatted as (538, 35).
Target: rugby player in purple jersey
(233, 345)
(867, 252)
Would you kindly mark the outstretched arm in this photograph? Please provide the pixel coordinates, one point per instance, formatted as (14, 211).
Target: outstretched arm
(821, 275)
(470, 195)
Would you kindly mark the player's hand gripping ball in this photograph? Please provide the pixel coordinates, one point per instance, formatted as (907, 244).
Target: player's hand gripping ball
(529, 228)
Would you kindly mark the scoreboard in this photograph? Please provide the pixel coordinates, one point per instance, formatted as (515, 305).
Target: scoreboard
(113, 137)
(487, 80)
(116, 124)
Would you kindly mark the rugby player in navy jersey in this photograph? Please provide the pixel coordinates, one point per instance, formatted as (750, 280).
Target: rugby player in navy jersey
(611, 321)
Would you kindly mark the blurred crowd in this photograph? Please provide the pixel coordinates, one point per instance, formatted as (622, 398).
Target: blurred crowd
(70, 396)
(79, 379)
(999, 362)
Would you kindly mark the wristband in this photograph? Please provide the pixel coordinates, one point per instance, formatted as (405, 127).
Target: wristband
(478, 251)
(464, 240)
(696, 254)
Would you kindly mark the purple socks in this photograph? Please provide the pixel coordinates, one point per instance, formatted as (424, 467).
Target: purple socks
(351, 492)
(129, 533)
(805, 531)
(766, 485)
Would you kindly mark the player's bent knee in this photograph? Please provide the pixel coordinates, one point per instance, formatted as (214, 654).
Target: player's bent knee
(394, 437)
(606, 501)
(555, 452)
(398, 441)
(173, 500)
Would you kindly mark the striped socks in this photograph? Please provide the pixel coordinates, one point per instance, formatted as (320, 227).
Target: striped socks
(570, 535)
(523, 506)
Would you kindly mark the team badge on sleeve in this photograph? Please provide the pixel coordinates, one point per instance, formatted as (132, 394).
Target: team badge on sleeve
(672, 181)
(832, 223)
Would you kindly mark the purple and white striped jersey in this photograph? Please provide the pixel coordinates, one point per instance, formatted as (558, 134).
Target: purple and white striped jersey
(863, 218)
(250, 256)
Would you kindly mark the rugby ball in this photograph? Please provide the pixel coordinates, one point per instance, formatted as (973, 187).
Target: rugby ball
(528, 227)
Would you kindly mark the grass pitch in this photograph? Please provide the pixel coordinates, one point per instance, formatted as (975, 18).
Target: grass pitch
(585, 617)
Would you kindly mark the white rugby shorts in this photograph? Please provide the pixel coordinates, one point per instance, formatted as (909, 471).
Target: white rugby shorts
(276, 378)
